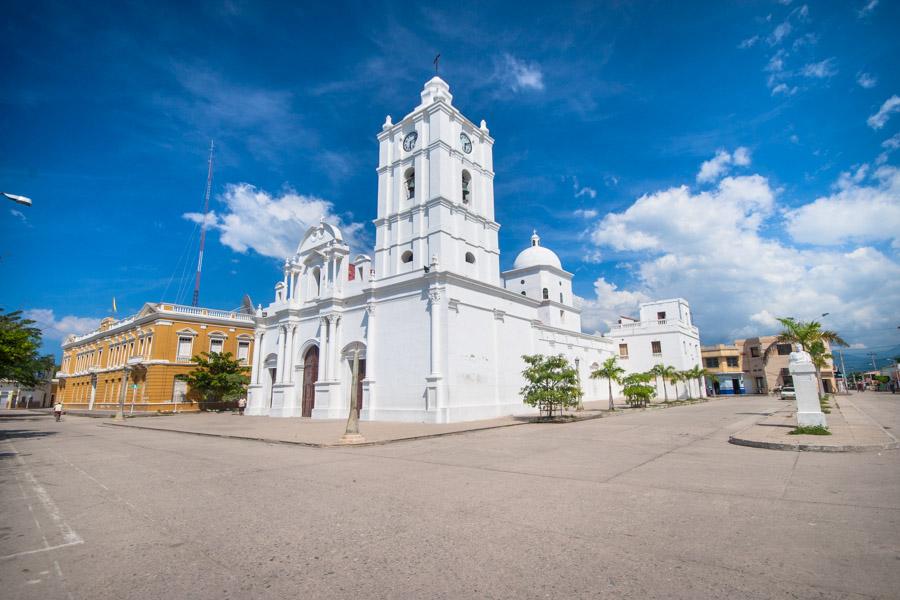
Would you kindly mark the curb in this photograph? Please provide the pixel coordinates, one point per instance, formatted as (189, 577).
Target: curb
(801, 447)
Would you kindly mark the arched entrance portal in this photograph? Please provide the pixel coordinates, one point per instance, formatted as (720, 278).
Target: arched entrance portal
(310, 376)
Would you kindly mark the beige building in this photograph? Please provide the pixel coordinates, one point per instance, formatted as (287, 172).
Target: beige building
(155, 345)
(743, 366)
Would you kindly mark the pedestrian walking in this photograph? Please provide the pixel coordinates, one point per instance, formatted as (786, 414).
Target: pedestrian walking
(57, 410)
(242, 404)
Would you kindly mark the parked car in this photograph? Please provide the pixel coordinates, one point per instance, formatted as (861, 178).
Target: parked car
(788, 393)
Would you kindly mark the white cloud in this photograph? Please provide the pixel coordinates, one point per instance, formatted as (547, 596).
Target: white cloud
(18, 214)
(709, 247)
(608, 304)
(721, 163)
(855, 213)
(821, 69)
(867, 9)
(586, 213)
(807, 39)
(271, 225)
(780, 32)
(713, 168)
(866, 80)
(741, 156)
(521, 75)
(783, 88)
(892, 142)
(580, 190)
(858, 346)
(890, 106)
(59, 329)
(749, 42)
(776, 62)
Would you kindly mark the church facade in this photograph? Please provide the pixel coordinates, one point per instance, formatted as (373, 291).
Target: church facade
(438, 329)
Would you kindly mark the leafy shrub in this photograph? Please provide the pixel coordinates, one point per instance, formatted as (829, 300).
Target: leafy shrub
(810, 430)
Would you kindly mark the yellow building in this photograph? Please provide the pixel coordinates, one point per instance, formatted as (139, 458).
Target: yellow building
(154, 346)
(723, 361)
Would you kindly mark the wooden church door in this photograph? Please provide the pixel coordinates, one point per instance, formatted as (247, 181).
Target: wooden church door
(310, 376)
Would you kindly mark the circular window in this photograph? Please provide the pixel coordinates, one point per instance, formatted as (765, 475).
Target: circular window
(406, 257)
(470, 258)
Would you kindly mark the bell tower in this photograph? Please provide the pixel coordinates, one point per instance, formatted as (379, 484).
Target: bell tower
(436, 192)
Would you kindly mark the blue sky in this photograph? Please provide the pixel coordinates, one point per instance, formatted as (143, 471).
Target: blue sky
(741, 155)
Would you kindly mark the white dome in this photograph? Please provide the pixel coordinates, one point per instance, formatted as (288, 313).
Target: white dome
(536, 256)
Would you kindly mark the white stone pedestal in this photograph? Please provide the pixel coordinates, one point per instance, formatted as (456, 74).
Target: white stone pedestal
(809, 412)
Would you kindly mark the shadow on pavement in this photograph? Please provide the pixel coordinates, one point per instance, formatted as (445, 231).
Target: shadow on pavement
(20, 417)
(23, 434)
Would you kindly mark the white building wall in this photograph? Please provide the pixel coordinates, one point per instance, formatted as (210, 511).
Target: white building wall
(679, 341)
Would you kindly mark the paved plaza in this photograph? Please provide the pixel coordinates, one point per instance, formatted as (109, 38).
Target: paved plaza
(653, 504)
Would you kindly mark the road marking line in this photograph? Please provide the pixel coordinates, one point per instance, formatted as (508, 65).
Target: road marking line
(44, 549)
(70, 537)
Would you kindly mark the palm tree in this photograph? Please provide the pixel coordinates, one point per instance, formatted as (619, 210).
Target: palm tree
(664, 372)
(674, 377)
(820, 358)
(698, 373)
(611, 371)
(806, 335)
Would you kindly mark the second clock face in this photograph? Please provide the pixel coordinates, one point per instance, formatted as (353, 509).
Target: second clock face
(466, 143)
(409, 142)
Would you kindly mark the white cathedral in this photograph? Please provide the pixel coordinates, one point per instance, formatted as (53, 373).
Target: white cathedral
(439, 330)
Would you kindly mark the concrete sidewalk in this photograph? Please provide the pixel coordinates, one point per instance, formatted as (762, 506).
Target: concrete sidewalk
(852, 430)
(318, 433)
(322, 433)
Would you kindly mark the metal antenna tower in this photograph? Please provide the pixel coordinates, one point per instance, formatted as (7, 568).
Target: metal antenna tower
(196, 299)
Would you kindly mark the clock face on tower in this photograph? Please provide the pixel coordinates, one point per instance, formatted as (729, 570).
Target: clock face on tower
(409, 142)
(466, 143)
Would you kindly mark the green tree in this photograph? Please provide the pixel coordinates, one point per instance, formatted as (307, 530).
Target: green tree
(217, 378)
(20, 342)
(637, 388)
(805, 334)
(552, 383)
(611, 371)
(664, 372)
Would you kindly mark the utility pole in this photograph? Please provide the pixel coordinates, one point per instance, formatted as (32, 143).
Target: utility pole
(209, 173)
(844, 371)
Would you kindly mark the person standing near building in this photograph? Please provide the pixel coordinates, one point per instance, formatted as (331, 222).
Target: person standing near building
(242, 404)
(57, 410)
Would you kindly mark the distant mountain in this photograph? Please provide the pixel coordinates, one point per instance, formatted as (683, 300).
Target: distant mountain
(858, 359)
